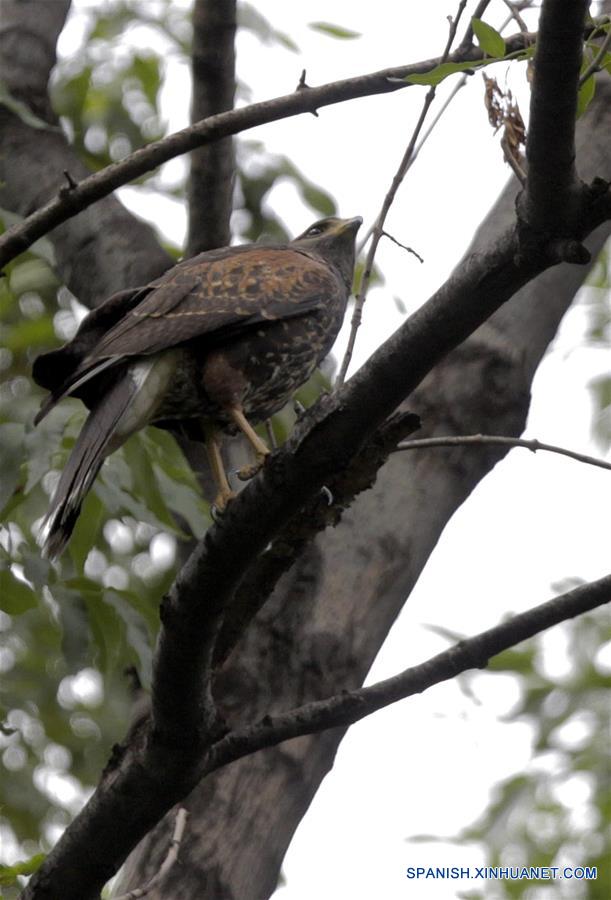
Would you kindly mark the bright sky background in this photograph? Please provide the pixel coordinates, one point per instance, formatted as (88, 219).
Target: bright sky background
(426, 765)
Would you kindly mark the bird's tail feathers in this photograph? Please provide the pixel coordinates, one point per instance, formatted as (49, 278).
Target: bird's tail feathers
(84, 464)
(71, 385)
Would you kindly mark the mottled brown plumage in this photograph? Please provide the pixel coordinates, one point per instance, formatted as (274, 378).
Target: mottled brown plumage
(223, 339)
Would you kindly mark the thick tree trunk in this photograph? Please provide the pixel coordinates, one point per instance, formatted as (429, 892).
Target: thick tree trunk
(103, 249)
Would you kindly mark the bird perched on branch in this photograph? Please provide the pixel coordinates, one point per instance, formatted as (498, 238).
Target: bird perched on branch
(223, 340)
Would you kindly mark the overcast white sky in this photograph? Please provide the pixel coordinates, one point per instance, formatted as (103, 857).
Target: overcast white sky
(535, 521)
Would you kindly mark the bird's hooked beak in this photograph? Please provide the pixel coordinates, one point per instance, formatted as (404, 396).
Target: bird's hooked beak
(352, 225)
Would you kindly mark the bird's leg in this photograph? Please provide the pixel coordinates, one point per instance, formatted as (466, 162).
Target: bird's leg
(259, 446)
(213, 451)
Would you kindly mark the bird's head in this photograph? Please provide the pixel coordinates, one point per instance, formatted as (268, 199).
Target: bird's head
(334, 240)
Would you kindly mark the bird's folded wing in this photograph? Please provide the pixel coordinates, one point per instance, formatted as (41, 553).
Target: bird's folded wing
(220, 299)
(217, 298)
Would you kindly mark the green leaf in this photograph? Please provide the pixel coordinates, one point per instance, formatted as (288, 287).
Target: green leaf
(32, 275)
(42, 247)
(146, 70)
(11, 441)
(585, 95)
(439, 73)
(488, 38)
(29, 333)
(9, 874)
(335, 31)
(138, 635)
(252, 20)
(15, 596)
(442, 71)
(318, 199)
(186, 502)
(107, 630)
(145, 485)
(446, 633)
(87, 529)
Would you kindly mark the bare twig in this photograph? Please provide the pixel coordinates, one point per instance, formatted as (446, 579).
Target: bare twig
(406, 162)
(403, 246)
(71, 182)
(172, 855)
(271, 437)
(351, 706)
(478, 12)
(515, 15)
(595, 64)
(302, 85)
(486, 439)
(457, 87)
(512, 160)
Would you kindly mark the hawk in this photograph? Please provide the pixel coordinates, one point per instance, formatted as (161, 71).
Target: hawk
(219, 342)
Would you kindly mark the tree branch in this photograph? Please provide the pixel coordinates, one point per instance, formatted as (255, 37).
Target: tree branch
(322, 511)
(112, 822)
(210, 191)
(94, 187)
(552, 202)
(596, 62)
(378, 229)
(461, 440)
(172, 856)
(351, 706)
(157, 766)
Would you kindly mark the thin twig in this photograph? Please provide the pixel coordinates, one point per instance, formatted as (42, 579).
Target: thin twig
(406, 162)
(478, 12)
(534, 445)
(512, 162)
(515, 15)
(171, 857)
(71, 182)
(271, 437)
(457, 87)
(594, 65)
(403, 246)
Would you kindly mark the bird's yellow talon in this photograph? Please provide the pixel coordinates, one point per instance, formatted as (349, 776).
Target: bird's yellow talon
(248, 472)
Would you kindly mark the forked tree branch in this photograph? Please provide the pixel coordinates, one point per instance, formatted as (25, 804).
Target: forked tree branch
(69, 203)
(351, 706)
(378, 228)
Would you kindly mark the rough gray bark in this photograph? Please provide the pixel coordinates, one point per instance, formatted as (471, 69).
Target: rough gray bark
(106, 247)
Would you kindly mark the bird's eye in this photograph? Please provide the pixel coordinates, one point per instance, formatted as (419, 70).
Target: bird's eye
(315, 229)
